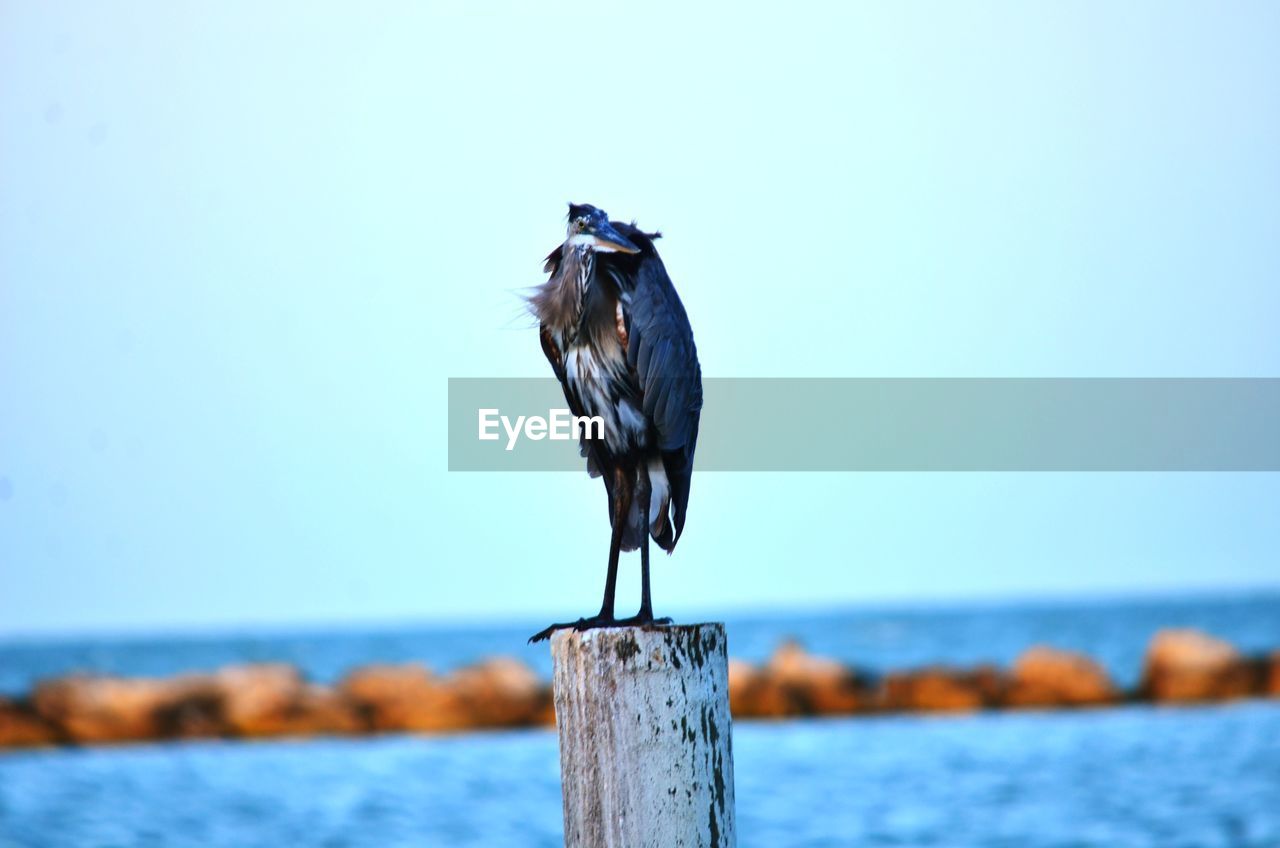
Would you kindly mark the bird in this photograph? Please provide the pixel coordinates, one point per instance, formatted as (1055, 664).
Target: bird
(619, 341)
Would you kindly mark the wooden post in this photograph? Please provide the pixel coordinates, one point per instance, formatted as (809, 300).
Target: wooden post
(646, 757)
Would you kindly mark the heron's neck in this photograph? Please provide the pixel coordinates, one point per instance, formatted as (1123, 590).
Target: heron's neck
(584, 262)
(558, 303)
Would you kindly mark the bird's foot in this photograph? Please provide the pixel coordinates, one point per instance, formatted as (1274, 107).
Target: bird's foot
(642, 621)
(597, 621)
(592, 623)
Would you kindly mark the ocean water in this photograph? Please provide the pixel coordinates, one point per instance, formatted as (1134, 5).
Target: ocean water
(1132, 778)
(1115, 632)
(1135, 776)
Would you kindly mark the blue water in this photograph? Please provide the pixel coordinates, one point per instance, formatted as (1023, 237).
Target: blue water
(1114, 632)
(1137, 776)
(1129, 777)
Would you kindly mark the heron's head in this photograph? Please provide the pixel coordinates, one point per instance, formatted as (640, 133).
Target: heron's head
(589, 227)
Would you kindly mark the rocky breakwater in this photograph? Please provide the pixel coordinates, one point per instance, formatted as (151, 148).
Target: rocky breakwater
(794, 683)
(250, 700)
(1181, 666)
(255, 701)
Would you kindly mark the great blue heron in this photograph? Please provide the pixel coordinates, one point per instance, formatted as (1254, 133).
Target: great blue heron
(619, 341)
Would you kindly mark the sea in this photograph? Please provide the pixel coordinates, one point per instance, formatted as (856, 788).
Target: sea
(1173, 777)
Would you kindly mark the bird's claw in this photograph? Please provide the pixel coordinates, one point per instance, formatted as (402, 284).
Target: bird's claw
(642, 621)
(597, 621)
(580, 625)
(545, 634)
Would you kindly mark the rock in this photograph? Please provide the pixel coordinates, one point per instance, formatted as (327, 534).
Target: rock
(793, 682)
(743, 678)
(991, 683)
(100, 709)
(273, 700)
(404, 697)
(754, 694)
(92, 709)
(1187, 666)
(941, 689)
(318, 710)
(248, 700)
(792, 665)
(500, 692)
(819, 685)
(394, 697)
(1271, 686)
(189, 707)
(257, 698)
(1048, 677)
(21, 727)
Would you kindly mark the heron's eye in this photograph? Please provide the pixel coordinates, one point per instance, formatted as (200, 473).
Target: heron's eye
(582, 223)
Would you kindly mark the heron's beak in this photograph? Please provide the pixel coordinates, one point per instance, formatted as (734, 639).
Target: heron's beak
(608, 240)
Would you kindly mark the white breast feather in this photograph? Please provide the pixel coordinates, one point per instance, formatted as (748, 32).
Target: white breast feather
(587, 372)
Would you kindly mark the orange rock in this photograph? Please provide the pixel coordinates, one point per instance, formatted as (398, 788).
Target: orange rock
(273, 700)
(257, 698)
(318, 710)
(20, 727)
(991, 683)
(189, 707)
(792, 665)
(100, 709)
(940, 689)
(500, 692)
(755, 694)
(1271, 687)
(819, 685)
(793, 682)
(1048, 677)
(248, 700)
(743, 676)
(1187, 665)
(408, 697)
(404, 697)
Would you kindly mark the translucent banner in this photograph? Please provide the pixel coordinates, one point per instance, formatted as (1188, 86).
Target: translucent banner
(905, 425)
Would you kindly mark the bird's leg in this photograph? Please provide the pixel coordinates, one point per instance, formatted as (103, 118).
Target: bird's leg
(623, 490)
(646, 601)
(644, 490)
(621, 508)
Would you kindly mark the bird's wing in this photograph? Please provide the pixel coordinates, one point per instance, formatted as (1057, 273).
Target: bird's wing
(660, 349)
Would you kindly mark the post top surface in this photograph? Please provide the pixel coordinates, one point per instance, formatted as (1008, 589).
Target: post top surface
(667, 648)
(660, 631)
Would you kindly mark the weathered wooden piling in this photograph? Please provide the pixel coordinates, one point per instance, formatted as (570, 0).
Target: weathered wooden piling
(646, 754)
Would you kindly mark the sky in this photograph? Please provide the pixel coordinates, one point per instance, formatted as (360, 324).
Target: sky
(244, 246)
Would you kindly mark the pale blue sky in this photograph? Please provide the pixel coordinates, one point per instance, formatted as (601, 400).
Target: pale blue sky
(243, 246)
